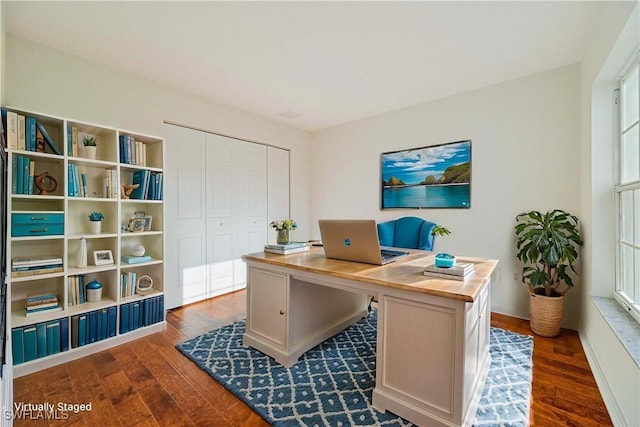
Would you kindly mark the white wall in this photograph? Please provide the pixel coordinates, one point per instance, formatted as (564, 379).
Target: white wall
(615, 37)
(42, 79)
(525, 156)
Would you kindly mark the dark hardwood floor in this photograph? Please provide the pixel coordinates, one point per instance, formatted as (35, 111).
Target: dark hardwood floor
(147, 382)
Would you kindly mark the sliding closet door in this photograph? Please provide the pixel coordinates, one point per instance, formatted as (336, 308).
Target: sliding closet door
(220, 195)
(236, 209)
(185, 209)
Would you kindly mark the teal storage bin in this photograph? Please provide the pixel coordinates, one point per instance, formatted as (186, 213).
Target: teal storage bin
(37, 224)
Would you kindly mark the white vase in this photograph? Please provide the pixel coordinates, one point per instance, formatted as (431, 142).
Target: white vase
(81, 256)
(95, 227)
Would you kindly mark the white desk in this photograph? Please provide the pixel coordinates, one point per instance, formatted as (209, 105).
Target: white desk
(433, 334)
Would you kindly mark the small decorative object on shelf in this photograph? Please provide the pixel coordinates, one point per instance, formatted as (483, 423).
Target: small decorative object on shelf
(89, 147)
(103, 257)
(95, 221)
(283, 227)
(127, 189)
(81, 258)
(138, 250)
(39, 182)
(136, 225)
(94, 291)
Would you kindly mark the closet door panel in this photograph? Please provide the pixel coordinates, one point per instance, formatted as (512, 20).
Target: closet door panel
(186, 222)
(277, 187)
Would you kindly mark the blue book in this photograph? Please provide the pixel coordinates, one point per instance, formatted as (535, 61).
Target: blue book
(81, 288)
(30, 343)
(161, 308)
(64, 334)
(124, 319)
(19, 172)
(53, 337)
(82, 330)
(138, 178)
(84, 184)
(14, 175)
(48, 139)
(102, 324)
(69, 139)
(93, 326)
(41, 332)
(111, 321)
(69, 180)
(74, 331)
(25, 176)
(40, 297)
(147, 312)
(131, 259)
(30, 134)
(17, 345)
(134, 316)
(36, 267)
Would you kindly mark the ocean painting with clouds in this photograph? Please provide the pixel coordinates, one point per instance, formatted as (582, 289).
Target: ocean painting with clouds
(438, 176)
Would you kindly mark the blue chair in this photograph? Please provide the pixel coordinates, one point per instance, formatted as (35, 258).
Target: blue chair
(407, 232)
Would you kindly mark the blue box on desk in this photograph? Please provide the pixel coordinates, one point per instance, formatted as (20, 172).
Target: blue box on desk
(37, 224)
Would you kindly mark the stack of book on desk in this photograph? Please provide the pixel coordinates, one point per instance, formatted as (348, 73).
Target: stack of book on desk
(41, 303)
(27, 266)
(289, 248)
(460, 271)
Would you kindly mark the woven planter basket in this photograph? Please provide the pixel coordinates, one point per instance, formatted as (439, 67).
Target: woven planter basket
(545, 314)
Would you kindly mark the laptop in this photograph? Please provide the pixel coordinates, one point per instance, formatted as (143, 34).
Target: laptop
(355, 240)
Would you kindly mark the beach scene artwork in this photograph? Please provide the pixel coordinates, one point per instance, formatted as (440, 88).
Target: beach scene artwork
(438, 176)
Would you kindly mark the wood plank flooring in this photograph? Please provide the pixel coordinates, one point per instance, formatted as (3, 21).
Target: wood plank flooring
(147, 382)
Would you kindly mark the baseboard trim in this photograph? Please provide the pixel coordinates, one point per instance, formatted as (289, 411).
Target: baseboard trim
(616, 414)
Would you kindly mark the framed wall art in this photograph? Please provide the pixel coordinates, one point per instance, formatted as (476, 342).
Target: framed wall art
(437, 176)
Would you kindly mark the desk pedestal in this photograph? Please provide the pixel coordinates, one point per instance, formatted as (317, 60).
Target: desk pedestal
(432, 353)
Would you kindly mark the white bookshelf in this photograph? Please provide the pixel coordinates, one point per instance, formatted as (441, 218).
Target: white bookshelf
(75, 210)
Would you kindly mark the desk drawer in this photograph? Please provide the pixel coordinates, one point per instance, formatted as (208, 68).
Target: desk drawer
(37, 224)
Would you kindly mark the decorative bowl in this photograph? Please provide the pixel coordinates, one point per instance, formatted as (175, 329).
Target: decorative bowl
(445, 260)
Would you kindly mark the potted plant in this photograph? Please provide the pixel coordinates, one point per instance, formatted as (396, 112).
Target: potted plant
(283, 227)
(95, 221)
(89, 145)
(440, 230)
(547, 244)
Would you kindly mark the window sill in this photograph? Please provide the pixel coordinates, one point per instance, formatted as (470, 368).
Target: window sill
(624, 327)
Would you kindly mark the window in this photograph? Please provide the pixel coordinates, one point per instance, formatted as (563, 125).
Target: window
(627, 191)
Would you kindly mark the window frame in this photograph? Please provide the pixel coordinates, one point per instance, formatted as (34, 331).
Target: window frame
(631, 304)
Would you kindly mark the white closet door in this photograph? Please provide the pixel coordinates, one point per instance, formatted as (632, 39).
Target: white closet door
(221, 224)
(278, 187)
(185, 209)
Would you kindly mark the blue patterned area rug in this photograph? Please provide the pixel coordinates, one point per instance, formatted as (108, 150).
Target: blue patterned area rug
(332, 384)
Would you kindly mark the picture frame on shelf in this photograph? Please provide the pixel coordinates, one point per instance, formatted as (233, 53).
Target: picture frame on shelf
(147, 222)
(102, 257)
(136, 225)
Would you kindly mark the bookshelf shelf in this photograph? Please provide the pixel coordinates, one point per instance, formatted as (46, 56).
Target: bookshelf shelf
(85, 182)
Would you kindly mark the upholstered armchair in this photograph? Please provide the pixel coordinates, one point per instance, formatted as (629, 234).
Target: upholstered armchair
(407, 232)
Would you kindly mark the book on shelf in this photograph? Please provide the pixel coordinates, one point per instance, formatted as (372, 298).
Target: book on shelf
(50, 142)
(45, 303)
(37, 312)
(30, 134)
(460, 269)
(131, 259)
(10, 122)
(37, 271)
(41, 296)
(35, 260)
(21, 131)
(448, 276)
(36, 267)
(287, 251)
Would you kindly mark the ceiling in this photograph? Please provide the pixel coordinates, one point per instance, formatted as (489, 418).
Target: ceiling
(314, 65)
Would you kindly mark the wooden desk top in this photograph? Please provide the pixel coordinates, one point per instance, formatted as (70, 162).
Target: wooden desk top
(405, 273)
